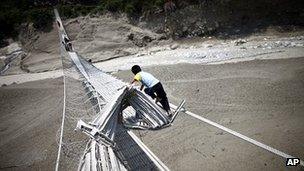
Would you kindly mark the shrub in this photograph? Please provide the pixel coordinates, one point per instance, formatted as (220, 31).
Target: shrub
(113, 5)
(129, 9)
(41, 18)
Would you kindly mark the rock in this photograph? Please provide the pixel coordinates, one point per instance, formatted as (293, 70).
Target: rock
(3, 85)
(174, 46)
(120, 52)
(300, 45)
(208, 45)
(286, 44)
(2, 61)
(151, 53)
(196, 55)
(269, 47)
(140, 39)
(293, 44)
(239, 42)
(162, 37)
(13, 47)
(147, 39)
(140, 54)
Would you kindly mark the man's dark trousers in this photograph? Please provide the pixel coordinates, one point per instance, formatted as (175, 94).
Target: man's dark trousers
(160, 93)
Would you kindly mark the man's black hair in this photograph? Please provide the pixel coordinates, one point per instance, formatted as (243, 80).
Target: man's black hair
(135, 69)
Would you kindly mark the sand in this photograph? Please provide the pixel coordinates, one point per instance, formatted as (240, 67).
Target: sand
(28, 77)
(262, 99)
(30, 121)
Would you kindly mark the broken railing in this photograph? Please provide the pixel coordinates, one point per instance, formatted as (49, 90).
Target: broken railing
(115, 104)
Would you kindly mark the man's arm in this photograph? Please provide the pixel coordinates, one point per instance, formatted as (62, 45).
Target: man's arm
(133, 81)
(141, 87)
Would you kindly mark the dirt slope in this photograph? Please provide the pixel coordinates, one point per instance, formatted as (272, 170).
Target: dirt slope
(108, 36)
(43, 50)
(30, 120)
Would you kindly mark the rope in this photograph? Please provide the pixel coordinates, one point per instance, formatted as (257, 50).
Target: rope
(250, 140)
(62, 124)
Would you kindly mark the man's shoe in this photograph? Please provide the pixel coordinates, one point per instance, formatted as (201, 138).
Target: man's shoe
(157, 99)
(170, 114)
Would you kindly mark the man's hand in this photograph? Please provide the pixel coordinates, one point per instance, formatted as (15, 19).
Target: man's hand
(130, 86)
(133, 86)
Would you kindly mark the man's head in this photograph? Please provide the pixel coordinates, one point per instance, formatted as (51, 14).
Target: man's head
(135, 69)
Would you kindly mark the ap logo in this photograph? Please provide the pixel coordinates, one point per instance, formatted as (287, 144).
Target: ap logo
(292, 161)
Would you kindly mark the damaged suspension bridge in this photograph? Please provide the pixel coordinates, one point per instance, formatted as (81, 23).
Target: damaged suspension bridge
(112, 145)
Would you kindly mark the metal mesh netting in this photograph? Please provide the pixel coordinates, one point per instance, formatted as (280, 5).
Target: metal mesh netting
(73, 143)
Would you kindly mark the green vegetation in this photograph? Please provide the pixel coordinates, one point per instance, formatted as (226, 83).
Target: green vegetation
(72, 11)
(15, 12)
(131, 7)
(40, 12)
(41, 18)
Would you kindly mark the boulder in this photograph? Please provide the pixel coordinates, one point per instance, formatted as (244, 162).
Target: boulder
(174, 46)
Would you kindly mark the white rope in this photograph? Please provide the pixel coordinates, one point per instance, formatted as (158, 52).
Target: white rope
(160, 165)
(257, 143)
(62, 124)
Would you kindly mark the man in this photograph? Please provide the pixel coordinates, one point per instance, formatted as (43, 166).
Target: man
(153, 87)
